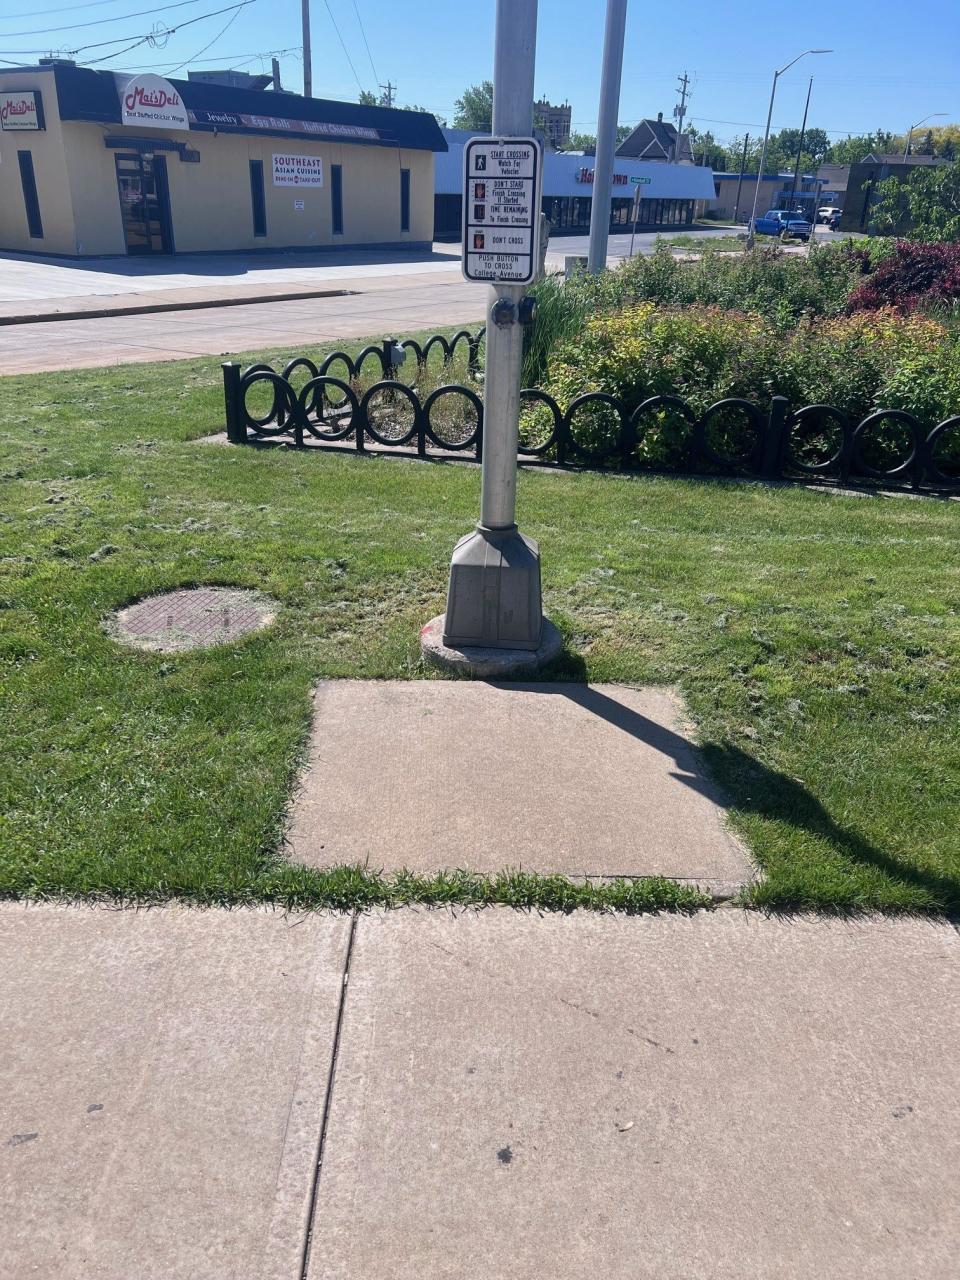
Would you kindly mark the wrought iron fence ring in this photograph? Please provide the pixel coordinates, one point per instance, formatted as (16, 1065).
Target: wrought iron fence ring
(284, 401)
(378, 389)
(650, 405)
(541, 397)
(753, 415)
(579, 450)
(365, 355)
(828, 464)
(453, 389)
(314, 390)
(328, 363)
(894, 415)
(303, 362)
(934, 472)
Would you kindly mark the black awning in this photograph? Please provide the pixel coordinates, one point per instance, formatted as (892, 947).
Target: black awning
(85, 94)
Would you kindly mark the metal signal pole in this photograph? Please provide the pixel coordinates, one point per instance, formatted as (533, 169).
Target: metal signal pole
(494, 598)
(307, 67)
(606, 134)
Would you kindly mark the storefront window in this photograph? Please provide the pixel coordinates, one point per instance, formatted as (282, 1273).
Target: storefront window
(336, 198)
(30, 199)
(404, 199)
(256, 198)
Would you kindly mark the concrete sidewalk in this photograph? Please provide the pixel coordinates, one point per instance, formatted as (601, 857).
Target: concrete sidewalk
(433, 1094)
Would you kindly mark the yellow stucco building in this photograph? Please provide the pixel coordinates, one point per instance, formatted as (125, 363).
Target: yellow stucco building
(98, 162)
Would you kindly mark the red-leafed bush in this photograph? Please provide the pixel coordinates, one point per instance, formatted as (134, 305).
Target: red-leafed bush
(914, 275)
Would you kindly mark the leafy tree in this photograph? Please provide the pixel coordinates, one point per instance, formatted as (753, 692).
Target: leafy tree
(580, 142)
(474, 110)
(926, 204)
(368, 99)
(853, 149)
(410, 106)
(707, 150)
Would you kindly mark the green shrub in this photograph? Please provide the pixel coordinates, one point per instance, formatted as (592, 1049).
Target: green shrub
(783, 288)
(856, 363)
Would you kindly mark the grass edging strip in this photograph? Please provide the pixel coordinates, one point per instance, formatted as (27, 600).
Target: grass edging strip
(350, 888)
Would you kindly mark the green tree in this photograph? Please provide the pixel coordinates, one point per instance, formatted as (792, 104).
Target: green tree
(853, 149)
(580, 142)
(368, 99)
(588, 141)
(474, 110)
(926, 204)
(410, 106)
(708, 151)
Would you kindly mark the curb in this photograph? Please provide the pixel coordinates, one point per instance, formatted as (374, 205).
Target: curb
(149, 308)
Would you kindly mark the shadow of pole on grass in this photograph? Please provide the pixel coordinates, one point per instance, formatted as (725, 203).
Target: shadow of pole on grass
(734, 779)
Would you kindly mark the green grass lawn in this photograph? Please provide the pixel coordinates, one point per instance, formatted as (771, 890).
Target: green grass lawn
(815, 638)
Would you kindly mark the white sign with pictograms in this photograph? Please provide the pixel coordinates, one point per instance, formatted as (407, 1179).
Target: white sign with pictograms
(501, 210)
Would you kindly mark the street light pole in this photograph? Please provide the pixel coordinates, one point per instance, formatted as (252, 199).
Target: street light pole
(307, 54)
(751, 234)
(606, 134)
(934, 115)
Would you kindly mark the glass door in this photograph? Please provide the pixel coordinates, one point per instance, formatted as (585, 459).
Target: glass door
(144, 202)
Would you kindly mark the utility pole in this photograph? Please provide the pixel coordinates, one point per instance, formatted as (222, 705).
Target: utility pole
(743, 165)
(307, 67)
(386, 98)
(606, 134)
(796, 167)
(679, 112)
(275, 68)
(751, 234)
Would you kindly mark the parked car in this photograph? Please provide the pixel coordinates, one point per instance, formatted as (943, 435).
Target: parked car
(830, 215)
(781, 222)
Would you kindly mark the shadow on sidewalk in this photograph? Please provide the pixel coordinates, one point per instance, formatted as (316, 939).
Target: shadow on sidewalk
(746, 784)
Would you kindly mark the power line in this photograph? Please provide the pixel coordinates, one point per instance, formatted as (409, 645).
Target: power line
(153, 37)
(99, 22)
(70, 8)
(342, 45)
(365, 45)
(229, 22)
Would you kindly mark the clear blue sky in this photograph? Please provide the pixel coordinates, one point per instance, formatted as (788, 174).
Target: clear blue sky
(891, 66)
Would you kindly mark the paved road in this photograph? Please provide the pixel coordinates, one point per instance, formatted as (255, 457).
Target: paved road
(380, 296)
(374, 307)
(34, 279)
(184, 1094)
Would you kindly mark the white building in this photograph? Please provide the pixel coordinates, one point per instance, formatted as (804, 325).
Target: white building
(668, 192)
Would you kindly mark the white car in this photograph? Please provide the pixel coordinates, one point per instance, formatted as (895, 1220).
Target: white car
(830, 215)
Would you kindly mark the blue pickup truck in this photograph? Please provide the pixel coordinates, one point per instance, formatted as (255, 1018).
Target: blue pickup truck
(781, 222)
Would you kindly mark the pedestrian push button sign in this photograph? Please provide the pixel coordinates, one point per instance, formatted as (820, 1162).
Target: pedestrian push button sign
(501, 210)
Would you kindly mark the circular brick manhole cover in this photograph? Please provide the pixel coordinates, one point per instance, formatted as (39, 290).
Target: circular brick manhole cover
(192, 619)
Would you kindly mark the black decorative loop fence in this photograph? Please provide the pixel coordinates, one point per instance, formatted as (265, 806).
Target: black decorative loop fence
(331, 403)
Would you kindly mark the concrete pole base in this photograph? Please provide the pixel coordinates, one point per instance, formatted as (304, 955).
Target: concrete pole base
(482, 663)
(493, 599)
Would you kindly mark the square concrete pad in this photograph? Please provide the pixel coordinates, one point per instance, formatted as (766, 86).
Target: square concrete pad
(722, 1097)
(162, 1084)
(597, 780)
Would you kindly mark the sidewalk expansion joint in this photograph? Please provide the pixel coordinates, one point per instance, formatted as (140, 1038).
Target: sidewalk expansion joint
(327, 1102)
